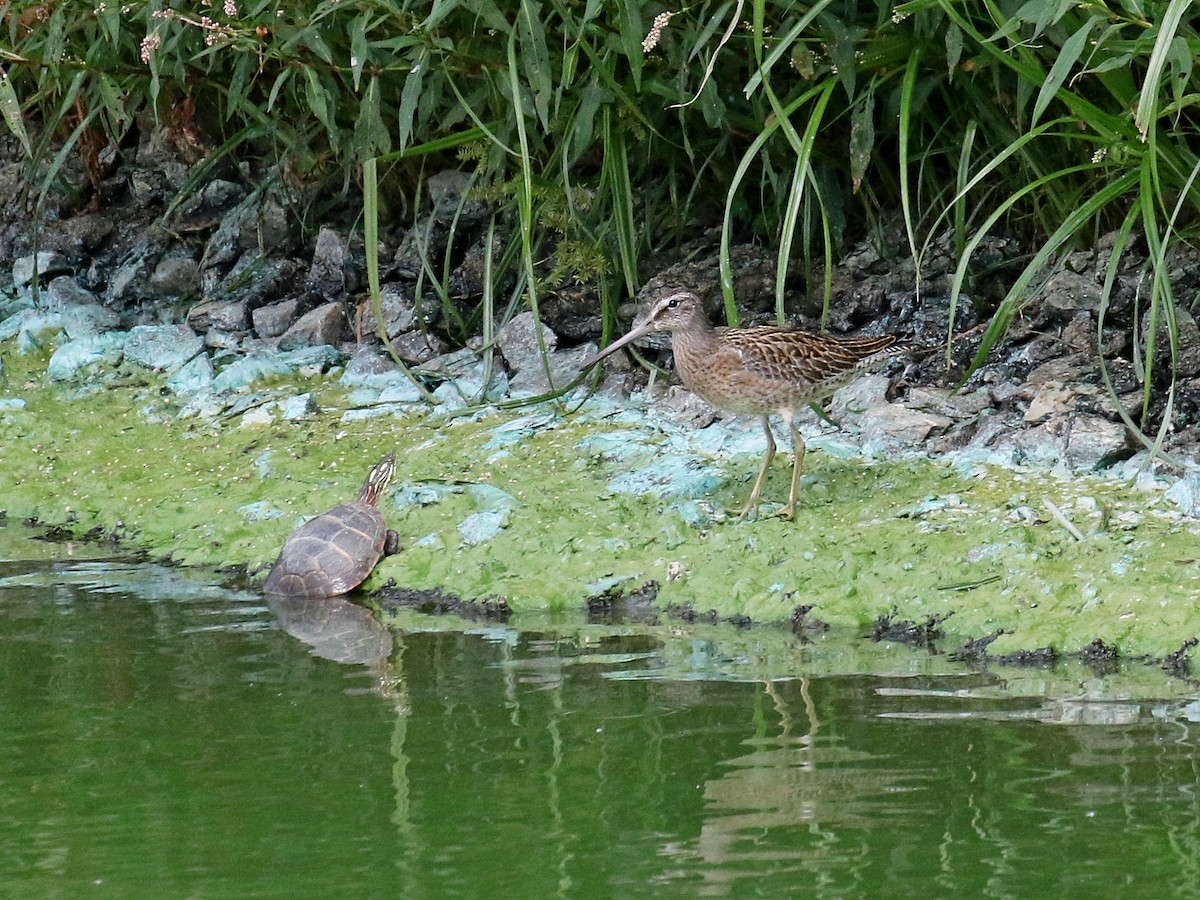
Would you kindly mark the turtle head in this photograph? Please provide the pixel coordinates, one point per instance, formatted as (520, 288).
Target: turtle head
(378, 479)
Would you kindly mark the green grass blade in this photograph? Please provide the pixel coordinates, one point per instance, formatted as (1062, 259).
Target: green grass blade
(370, 178)
(1147, 108)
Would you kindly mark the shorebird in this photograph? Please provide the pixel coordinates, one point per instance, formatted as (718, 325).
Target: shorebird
(759, 370)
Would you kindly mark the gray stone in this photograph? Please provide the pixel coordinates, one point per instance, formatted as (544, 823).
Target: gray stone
(687, 409)
(249, 369)
(208, 207)
(66, 291)
(399, 312)
(131, 281)
(236, 233)
(93, 350)
(327, 275)
(164, 348)
(254, 280)
(191, 378)
(1069, 291)
(273, 319)
(1052, 398)
(313, 360)
(324, 325)
(564, 368)
(370, 369)
(82, 235)
(518, 341)
(1093, 442)
(28, 323)
(177, 274)
(942, 401)
(225, 315)
(1188, 360)
(418, 346)
(894, 424)
(448, 195)
(299, 407)
(44, 265)
(860, 394)
(78, 321)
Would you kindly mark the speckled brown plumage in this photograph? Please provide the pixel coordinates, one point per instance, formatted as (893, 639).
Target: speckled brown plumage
(759, 370)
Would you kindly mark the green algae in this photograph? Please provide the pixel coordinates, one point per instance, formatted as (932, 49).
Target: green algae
(534, 507)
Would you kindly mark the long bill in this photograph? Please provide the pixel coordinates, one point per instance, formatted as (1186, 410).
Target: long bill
(636, 332)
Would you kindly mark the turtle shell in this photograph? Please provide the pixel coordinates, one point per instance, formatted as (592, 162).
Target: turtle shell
(330, 554)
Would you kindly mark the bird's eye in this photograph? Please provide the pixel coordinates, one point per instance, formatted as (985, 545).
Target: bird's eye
(673, 303)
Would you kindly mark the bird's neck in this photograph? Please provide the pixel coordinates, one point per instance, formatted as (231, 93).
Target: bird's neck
(696, 342)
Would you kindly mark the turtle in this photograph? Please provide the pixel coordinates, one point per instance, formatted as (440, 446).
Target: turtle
(334, 552)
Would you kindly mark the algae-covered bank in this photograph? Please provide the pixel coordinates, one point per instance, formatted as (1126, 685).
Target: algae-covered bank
(551, 504)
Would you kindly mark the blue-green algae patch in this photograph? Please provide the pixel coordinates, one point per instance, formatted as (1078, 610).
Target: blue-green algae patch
(546, 506)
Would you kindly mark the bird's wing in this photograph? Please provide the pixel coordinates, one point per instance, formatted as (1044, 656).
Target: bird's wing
(789, 355)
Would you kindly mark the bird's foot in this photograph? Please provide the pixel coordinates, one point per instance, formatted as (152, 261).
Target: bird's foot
(750, 510)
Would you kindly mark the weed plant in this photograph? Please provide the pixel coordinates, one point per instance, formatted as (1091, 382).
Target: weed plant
(609, 131)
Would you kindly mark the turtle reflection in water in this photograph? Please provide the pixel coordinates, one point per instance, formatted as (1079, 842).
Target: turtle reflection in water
(336, 551)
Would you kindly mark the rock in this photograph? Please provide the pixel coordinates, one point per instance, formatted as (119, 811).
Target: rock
(448, 193)
(208, 207)
(65, 291)
(176, 275)
(1068, 291)
(28, 325)
(369, 368)
(274, 319)
(163, 348)
(299, 407)
(73, 356)
(943, 402)
(82, 235)
(323, 325)
(518, 342)
(327, 275)
(564, 368)
(236, 233)
(1052, 398)
(44, 265)
(191, 378)
(399, 312)
(893, 424)
(257, 416)
(1071, 369)
(254, 280)
(130, 282)
(1093, 442)
(687, 409)
(1080, 333)
(225, 315)
(81, 321)
(249, 369)
(753, 270)
(1188, 359)
(1185, 493)
(860, 394)
(418, 346)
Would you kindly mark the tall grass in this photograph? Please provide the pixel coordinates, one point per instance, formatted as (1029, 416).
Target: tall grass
(606, 133)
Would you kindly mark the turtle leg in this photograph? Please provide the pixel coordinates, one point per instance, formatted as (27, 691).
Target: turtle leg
(391, 543)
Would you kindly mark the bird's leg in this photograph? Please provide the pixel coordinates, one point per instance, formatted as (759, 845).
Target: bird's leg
(797, 466)
(756, 493)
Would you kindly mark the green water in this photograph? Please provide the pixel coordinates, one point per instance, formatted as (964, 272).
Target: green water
(163, 737)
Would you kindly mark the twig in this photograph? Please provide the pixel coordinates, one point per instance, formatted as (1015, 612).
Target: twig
(1064, 521)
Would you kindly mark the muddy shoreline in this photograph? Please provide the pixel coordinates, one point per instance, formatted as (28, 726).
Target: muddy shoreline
(195, 385)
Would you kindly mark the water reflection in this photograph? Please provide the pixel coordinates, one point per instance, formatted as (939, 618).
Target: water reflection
(163, 736)
(335, 629)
